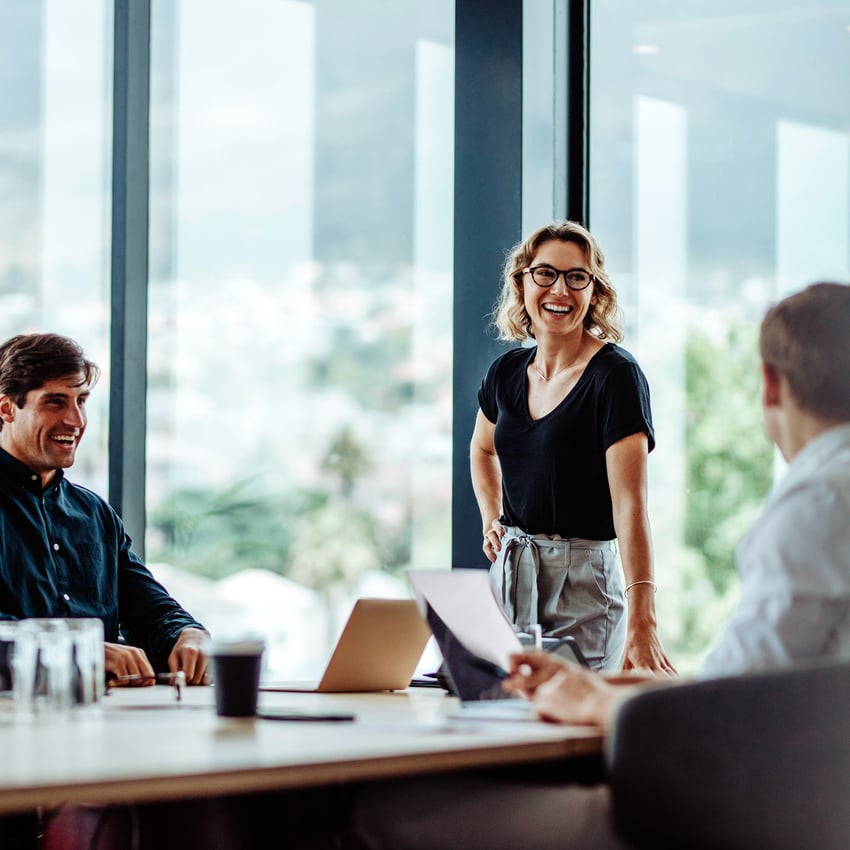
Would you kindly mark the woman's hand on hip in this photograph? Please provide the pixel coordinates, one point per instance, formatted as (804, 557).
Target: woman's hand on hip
(493, 540)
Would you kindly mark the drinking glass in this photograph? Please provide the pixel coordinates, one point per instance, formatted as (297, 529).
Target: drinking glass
(16, 652)
(45, 668)
(87, 671)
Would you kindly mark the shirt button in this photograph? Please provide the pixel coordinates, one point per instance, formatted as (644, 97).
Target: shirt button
(55, 547)
(33, 478)
(66, 597)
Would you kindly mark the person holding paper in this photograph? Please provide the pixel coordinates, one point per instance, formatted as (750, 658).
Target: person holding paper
(794, 562)
(558, 457)
(794, 606)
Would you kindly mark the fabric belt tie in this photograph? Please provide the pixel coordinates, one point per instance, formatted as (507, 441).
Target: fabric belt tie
(519, 584)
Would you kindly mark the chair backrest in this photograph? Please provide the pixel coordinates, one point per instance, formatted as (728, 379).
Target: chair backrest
(755, 762)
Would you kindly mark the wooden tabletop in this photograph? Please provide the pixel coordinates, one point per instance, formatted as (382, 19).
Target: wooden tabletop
(144, 745)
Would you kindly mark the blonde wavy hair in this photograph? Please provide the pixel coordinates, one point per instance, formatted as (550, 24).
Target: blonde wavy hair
(511, 319)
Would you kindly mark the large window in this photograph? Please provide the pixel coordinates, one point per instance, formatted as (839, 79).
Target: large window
(55, 167)
(308, 348)
(719, 181)
(300, 323)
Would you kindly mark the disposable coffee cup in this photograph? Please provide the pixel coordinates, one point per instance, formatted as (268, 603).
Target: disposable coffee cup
(237, 664)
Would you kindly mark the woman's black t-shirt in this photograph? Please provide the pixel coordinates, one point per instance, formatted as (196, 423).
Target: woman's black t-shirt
(554, 477)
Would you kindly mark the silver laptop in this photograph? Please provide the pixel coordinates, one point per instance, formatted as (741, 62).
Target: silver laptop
(378, 650)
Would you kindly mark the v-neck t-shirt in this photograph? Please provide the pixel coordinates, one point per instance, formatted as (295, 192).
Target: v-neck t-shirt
(554, 473)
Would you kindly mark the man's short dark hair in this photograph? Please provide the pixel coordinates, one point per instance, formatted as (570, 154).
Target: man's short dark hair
(806, 338)
(28, 361)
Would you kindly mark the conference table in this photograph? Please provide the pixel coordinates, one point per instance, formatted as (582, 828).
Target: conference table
(143, 745)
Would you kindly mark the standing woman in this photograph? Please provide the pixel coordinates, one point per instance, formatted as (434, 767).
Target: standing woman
(558, 457)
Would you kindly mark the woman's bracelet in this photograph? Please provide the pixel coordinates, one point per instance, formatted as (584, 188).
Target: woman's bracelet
(642, 581)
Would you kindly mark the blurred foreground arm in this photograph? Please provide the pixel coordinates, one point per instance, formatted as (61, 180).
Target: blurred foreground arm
(564, 692)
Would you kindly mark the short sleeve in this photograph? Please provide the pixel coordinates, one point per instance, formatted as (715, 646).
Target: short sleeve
(626, 406)
(488, 392)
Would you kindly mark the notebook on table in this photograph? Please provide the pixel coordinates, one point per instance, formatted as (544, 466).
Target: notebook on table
(378, 650)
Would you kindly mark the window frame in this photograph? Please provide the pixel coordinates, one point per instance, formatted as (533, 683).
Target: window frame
(488, 177)
(129, 263)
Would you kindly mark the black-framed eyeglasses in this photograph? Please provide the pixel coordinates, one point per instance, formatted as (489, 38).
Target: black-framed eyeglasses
(546, 276)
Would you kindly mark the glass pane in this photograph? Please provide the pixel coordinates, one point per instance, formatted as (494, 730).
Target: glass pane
(55, 171)
(719, 182)
(299, 405)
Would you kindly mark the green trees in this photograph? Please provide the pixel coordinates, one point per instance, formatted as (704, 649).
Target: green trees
(328, 535)
(728, 472)
(729, 458)
(321, 537)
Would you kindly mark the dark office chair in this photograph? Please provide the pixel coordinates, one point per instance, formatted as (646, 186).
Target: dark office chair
(757, 762)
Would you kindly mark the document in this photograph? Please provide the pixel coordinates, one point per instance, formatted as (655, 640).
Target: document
(465, 600)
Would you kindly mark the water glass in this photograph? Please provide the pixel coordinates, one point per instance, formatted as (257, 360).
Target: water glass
(87, 660)
(7, 649)
(13, 654)
(45, 673)
(51, 665)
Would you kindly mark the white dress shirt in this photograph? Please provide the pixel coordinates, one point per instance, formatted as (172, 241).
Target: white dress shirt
(794, 564)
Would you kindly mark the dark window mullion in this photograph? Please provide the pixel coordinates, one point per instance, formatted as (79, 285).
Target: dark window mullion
(128, 333)
(577, 59)
(488, 216)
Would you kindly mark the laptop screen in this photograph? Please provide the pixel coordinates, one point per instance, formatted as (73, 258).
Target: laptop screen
(470, 677)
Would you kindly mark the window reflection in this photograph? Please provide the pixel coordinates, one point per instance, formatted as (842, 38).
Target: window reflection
(299, 409)
(55, 171)
(719, 182)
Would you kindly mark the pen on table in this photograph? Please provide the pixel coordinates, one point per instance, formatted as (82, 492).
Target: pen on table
(272, 714)
(177, 680)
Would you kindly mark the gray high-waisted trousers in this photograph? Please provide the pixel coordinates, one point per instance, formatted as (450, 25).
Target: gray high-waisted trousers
(569, 586)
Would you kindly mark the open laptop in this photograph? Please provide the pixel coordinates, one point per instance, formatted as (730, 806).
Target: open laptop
(378, 650)
(476, 640)
(474, 636)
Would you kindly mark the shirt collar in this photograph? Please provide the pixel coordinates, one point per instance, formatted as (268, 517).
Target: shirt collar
(817, 453)
(20, 473)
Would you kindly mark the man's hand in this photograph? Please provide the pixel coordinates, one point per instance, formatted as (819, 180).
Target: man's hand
(123, 660)
(189, 655)
(564, 692)
(531, 669)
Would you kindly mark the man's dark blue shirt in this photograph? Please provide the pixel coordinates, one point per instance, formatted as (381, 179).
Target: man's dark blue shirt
(64, 553)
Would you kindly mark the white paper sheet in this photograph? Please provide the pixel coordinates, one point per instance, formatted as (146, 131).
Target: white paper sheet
(465, 601)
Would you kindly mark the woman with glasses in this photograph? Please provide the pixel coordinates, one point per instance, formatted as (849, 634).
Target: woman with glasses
(559, 456)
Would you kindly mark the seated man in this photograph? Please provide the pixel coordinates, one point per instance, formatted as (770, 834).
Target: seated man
(794, 605)
(63, 550)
